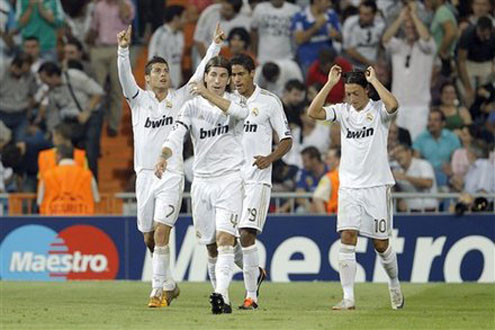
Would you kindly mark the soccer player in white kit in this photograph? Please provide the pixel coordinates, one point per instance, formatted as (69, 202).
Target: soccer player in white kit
(154, 112)
(214, 121)
(365, 176)
(266, 114)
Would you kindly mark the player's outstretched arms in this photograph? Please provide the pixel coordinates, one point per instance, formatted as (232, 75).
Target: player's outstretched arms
(129, 86)
(236, 110)
(390, 102)
(315, 110)
(161, 164)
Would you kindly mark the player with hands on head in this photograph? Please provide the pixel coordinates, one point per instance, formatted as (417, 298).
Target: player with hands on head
(364, 202)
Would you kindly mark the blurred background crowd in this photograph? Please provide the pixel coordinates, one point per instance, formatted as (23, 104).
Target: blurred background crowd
(59, 84)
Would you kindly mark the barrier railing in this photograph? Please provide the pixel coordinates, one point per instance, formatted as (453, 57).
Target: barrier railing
(281, 203)
(25, 203)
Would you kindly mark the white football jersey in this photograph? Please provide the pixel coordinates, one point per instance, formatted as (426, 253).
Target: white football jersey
(364, 161)
(152, 121)
(216, 136)
(266, 114)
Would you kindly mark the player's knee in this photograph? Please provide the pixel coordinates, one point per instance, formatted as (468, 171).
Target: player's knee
(162, 234)
(225, 239)
(380, 245)
(348, 237)
(212, 250)
(248, 237)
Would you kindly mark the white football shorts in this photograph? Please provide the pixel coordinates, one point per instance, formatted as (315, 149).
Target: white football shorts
(367, 210)
(255, 206)
(216, 206)
(158, 199)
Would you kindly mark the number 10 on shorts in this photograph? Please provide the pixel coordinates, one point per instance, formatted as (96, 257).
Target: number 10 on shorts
(380, 225)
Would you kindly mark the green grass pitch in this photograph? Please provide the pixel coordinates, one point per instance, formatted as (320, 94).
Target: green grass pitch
(303, 305)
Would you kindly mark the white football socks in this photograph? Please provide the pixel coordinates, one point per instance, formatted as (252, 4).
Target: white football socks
(251, 270)
(162, 274)
(212, 262)
(389, 262)
(347, 269)
(224, 271)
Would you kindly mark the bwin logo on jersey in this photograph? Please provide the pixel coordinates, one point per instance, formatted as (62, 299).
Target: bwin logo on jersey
(250, 128)
(204, 133)
(158, 123)
(365, 132)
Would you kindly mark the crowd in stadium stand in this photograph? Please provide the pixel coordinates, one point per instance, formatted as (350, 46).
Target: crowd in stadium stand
(59, 77)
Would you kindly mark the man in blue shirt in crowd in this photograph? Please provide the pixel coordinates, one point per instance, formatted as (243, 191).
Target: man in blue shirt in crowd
(311, 173)
(437, 144)
(314, 28)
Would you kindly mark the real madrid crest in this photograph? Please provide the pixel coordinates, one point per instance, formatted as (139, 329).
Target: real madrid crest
(369, 116)
(255, 111)
(168, 104)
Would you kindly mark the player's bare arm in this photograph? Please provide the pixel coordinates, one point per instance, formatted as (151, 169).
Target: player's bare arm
(315, 110)
(390, 102)
(282, 148)
(161, 164)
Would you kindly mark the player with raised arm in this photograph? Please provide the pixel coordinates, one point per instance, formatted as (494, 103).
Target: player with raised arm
(266, 115)
(154, 111)
(214, 121)
(364, 205)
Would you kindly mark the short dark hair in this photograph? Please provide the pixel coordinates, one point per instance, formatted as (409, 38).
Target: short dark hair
(32, 38)
(75, 64)
(312, 153)
(218, 61)
(270, 71)
(237, 4)
(327, 56)
(63, 130)
(245, 61)
(171, 12)
(242, 33)
(75, 42)
(370, 4)
(484, 23)
(437, 110)
(65, 151)
(355, 77)
(21, 59)
(295, 84)
(12, 156)
(154, 60)
(447, 84)
(50, 69)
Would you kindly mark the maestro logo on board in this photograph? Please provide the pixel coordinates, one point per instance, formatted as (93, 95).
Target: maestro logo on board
(36, 252)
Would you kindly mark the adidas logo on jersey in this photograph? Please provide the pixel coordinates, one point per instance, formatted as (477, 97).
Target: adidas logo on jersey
(204, 133)
(250, 128)
(365, 132)
(158, 123)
